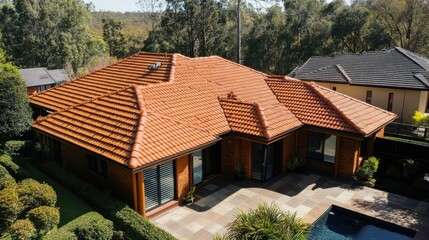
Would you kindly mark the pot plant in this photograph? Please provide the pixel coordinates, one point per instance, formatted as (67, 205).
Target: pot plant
(189, 198)
(365, 173)
(239, 174)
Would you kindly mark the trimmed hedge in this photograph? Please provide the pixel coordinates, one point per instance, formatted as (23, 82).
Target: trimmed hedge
(14, 170)
(44, 218)
(14, 147)
(124, 218)
(22, 229)
(33, 194)
(6, 179)
(88, 226)
(9, 207)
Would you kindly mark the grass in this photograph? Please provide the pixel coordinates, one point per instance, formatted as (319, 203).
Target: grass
(71, 207)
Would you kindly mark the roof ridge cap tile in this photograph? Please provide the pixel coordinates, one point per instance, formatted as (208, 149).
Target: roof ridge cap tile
(405, 53)
(239, 65)
(135, 151)
(172, 68)
(82, 103)
(314, 87)
(263, 120)
(344, 73)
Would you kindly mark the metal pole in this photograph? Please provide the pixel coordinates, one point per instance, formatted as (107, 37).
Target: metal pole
(238, 32)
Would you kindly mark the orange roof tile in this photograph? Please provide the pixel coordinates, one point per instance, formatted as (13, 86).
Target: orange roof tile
(118, 126)
(318, 106)
(133, 70)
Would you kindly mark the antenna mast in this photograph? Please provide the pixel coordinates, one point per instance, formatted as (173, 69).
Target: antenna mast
(238, 32)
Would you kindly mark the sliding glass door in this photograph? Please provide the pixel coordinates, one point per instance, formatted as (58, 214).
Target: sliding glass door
(266, 160)
(205, 163)
(159, 185)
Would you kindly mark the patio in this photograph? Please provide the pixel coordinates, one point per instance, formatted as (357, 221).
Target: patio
(308, 194)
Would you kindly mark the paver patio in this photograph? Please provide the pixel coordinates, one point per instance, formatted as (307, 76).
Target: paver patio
(310, 195)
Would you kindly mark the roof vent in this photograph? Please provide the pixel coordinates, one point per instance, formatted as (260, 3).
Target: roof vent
(154, 66)
(231, 95)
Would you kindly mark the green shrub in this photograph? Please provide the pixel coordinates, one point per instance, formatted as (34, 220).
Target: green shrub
(15, 170)
(6, 179)
(9, 207)
(88, 226)
(22, 229)
(267, 222)
(44, 218)
(295, 163)
(368, 169)
(126, 219)
(14, 147)
(33, 194)
(372, 162)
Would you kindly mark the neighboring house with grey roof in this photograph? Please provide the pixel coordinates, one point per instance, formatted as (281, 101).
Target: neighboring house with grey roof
(396, 79)
(40, 79)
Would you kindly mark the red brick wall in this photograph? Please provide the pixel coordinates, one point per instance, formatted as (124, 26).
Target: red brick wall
(182, 176)
(235, 149)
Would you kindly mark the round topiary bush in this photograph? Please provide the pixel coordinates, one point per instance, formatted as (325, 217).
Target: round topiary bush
(267, 222)
(9, 207)
(44, 218)
(22, 229)
(33, 194)
(97, 229)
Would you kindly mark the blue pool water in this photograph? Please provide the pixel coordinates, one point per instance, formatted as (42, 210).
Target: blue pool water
(342, 224)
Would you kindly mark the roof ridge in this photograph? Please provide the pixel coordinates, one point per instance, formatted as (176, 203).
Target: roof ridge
(135, 153)
(343, 72)
(406, 52)
(263, 120)
(40, 118)
(237, 64)
(173, 67)
(314, 86)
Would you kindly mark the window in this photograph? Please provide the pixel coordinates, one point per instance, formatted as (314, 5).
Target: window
(390, 102)
(159, 185)
(334, 88)
(97, 165)
(368, 96)
(205, 163)
(197, 163)
(44, 87)
(266, 160)
(321, 147)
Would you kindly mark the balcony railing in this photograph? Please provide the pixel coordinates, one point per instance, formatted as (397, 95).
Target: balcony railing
(408, 131)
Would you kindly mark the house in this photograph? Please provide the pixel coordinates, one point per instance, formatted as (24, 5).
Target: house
(40, 79)
(396, 79)
(153, 125)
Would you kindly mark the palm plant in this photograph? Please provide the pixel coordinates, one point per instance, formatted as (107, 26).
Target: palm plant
(267, 222)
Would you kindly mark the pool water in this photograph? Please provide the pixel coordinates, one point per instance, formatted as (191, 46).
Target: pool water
(339, 223)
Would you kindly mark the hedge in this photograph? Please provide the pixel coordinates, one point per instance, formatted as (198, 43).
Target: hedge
(88, 226)
(33, 194)
(9, 207)
(15, 170)
(22, 229)
(20, 147)
(6, 179)
(44, 218)
(124, 218)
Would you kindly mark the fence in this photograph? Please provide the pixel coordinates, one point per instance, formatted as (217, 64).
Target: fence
(408, 131)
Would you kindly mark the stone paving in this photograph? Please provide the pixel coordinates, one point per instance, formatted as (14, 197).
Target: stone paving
(310, 195)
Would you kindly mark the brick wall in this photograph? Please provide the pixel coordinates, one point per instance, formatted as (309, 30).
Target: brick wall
(289, 149)
(182, 176)
(347, 156)
(235, 149)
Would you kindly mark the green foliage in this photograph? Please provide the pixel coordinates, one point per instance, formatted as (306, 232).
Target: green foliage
(22, 229)
(267, 222)
(49, 33)
(88, 226)
(13, 147)
(9, 207)
(295, 163)
(33, 194)
(124, 218)
(368, 169)
(15, 114)
(16, 171)
(6, 180)
(420, 119)
(44, 218)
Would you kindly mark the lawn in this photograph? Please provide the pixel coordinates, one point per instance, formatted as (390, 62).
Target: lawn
(70, 205)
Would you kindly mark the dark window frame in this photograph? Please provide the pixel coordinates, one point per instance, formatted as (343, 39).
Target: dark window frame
(97, 165)
(368, 98)
(390, 102)
(334, 88)
(275, 150)
(322, 155)
(213, 154)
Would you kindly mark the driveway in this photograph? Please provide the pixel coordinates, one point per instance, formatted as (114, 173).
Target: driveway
(310, 195)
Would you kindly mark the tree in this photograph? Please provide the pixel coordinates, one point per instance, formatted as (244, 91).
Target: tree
(44, 218)
(113, 37)
(33, 194)
(22, 229)
(48, 33)
(406, 21)
(15, 114)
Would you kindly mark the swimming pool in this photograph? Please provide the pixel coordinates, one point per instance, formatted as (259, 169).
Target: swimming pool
(339, 223)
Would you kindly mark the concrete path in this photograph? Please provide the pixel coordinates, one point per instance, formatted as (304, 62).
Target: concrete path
(309, 195)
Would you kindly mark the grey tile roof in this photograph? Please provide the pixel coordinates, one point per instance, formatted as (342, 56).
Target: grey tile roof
(396, 67)
(41, 76)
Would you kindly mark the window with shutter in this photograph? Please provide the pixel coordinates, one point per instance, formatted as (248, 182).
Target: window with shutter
(159, 185)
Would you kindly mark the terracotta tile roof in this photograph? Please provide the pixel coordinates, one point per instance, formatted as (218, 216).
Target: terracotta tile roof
(118, 126)
(318, 106)
(247, 118)
(133, 70)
